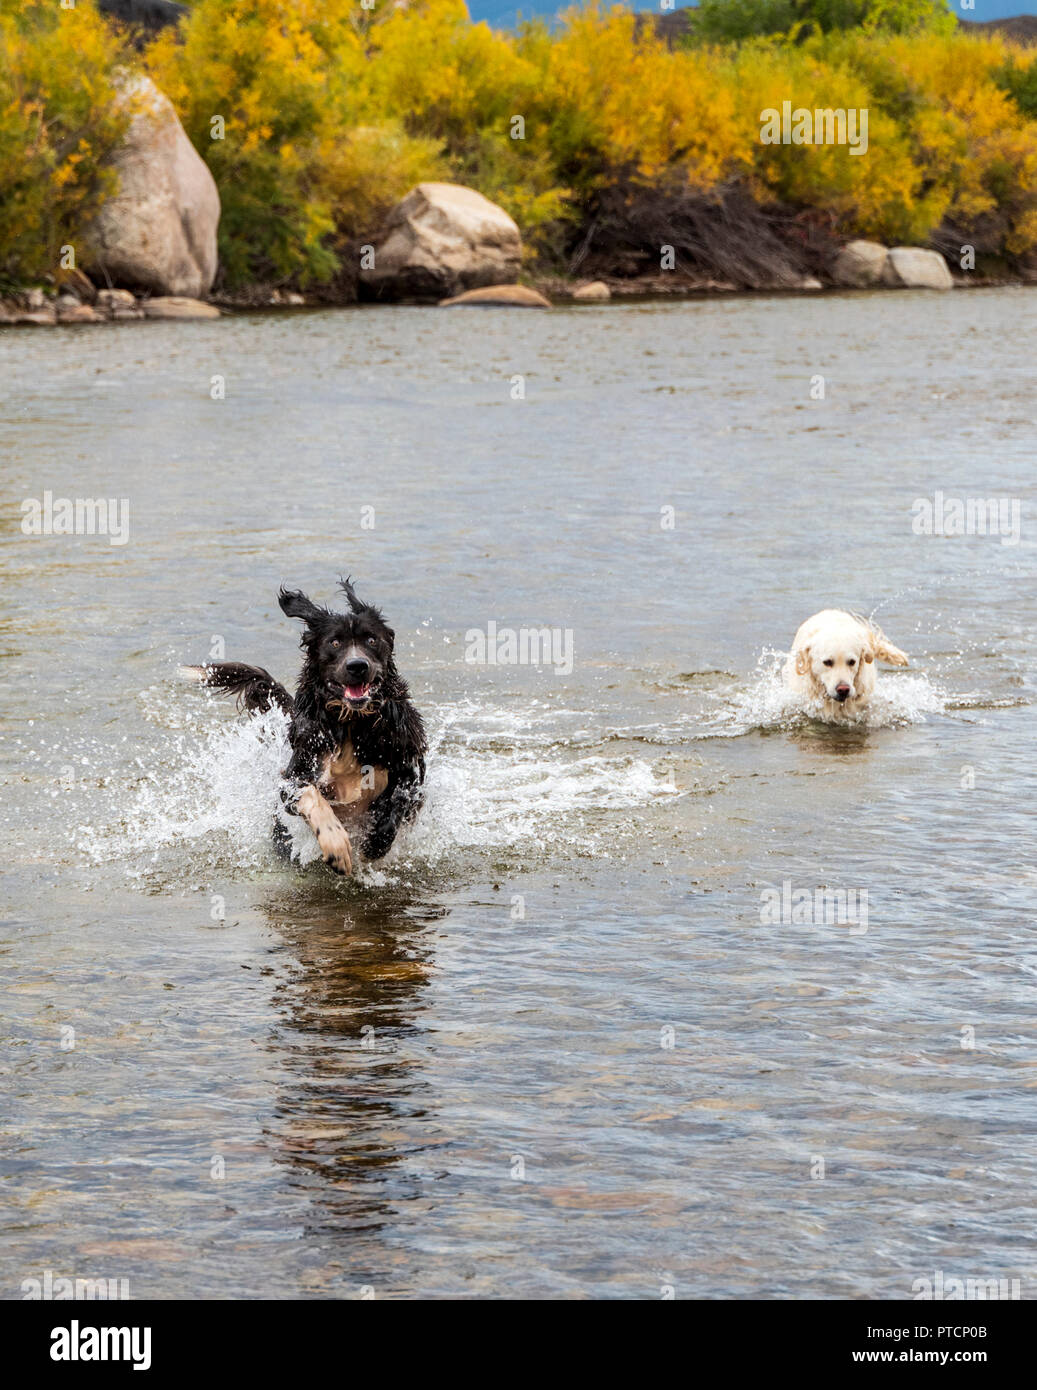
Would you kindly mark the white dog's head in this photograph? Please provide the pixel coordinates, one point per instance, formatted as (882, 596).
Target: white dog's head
(836, 650)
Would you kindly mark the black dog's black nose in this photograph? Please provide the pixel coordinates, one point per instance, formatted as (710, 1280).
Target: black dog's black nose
(358, 669)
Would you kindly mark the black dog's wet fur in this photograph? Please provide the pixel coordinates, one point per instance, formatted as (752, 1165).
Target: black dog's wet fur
(389, 734)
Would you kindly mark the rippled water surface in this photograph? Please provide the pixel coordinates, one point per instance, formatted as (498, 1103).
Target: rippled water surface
(554, 1046)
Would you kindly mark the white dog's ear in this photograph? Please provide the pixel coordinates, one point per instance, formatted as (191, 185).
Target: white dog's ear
(803, 661)
(885, 651)
(882, 649)
(869, 655)
(892, 654)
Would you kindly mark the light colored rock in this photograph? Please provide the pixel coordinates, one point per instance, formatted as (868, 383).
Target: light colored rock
(442, 238)
(915, 268)
(859, 263)
(592, 292)
(810, 282)
(34, 300)
(40, 317)
(77, 313)
(178, 306)
(159, 230)
(500, 296)
(111, 299)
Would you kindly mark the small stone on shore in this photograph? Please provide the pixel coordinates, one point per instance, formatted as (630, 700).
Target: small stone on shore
(177, 306)
(112, 299)
(592, 292)
(500, 296)
(77, 313)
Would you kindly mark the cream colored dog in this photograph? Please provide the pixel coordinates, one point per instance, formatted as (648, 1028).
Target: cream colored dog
(833, 660)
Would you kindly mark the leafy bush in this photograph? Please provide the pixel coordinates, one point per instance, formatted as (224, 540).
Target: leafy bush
(299, 167)
(59, 121)
(733, 21)
(974, 149)
(249, 79)
(329, 113)
(463, 85)
(1018, 77)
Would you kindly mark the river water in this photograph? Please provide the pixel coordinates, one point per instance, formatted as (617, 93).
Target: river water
(554, 1046)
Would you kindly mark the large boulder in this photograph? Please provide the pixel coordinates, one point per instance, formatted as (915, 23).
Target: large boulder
(914, 268)
(859, 264)
(158, 232)
(440, 240)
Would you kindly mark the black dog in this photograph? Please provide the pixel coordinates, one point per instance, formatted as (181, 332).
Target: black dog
(358, 744)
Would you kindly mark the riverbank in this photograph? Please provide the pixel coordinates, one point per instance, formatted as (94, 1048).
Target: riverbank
(33, 308)
(53, 307)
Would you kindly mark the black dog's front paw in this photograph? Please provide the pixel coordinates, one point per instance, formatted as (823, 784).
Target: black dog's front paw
(336, 849)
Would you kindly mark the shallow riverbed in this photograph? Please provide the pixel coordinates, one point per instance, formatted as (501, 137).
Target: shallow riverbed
(550, 1047)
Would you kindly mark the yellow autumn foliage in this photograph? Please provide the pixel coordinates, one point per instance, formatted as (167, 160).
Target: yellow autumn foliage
(316, 115)
(58, 124)
(974, 148)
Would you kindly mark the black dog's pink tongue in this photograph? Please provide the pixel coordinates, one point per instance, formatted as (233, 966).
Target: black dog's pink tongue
(355, 692)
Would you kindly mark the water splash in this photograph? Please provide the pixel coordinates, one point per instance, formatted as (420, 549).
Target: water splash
(205, 799)
(209, 787)
(768, 703)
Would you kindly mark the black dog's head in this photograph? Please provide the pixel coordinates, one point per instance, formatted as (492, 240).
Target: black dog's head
(350, 654)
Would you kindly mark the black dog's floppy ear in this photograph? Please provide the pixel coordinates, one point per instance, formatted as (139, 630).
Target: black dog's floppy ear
(295, 604)
(358, 606)
(346, 585)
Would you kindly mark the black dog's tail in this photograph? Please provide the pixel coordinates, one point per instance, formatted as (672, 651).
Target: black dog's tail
(255, 688)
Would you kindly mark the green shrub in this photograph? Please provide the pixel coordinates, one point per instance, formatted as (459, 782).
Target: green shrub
(733, 21)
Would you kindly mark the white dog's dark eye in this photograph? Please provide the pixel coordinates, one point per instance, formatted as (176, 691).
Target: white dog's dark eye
(829, 662)
(851, 662)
